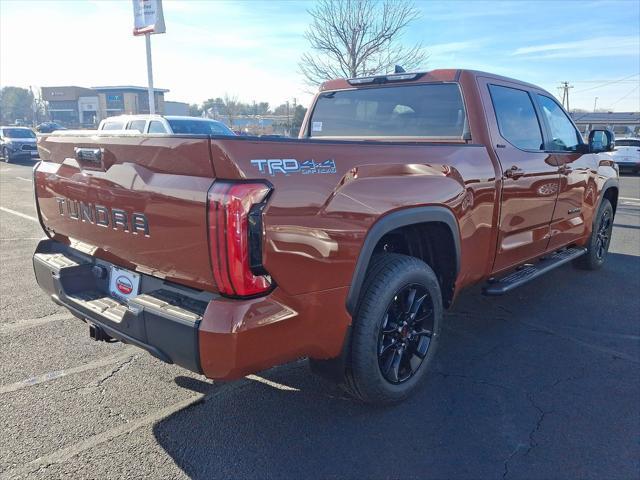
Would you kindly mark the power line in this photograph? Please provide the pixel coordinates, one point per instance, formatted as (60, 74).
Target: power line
(607, 83)
(625, 96)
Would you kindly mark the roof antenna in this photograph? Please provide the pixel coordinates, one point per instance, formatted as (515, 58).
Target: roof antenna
(399, 69)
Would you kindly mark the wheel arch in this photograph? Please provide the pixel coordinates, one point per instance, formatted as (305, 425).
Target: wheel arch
(413, 216)
(610, 191)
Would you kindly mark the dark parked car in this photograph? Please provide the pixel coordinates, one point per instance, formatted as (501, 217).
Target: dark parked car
(16, 142)
(48, 127)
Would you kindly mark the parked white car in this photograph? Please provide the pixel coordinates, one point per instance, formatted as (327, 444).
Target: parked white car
(168, 124)
(627, 154)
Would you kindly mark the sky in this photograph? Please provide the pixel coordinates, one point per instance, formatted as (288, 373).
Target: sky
(251, 49)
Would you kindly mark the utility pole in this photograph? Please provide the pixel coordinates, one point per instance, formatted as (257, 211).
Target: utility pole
(565, 94)
(595, 102)
(34, 108)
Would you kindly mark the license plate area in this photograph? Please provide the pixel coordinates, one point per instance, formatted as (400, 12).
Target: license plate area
(123, 284)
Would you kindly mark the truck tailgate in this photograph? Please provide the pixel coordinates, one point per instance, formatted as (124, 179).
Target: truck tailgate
(136, 202)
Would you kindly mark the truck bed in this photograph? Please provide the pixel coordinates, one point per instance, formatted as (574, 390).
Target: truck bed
(161, 182)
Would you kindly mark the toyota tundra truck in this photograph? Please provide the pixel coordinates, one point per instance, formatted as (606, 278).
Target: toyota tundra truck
(229, 255)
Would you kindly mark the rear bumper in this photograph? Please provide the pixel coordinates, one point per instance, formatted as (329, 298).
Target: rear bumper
(205, 333)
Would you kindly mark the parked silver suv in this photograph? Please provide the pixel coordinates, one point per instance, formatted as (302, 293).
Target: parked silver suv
(17, 142)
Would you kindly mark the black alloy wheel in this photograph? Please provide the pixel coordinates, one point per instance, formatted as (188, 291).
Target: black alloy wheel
(600, 239)
(603, 235)
(395, 331)
(405, 334)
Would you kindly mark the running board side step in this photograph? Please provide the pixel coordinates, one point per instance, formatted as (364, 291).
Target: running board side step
(527, 272)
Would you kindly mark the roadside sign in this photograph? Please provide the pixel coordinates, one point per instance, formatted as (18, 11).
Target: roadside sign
(148, 17)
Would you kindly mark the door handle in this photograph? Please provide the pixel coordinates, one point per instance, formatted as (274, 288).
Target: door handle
(514, 173)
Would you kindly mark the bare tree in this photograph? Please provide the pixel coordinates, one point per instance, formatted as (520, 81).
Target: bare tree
(352, 38)
(231, 108)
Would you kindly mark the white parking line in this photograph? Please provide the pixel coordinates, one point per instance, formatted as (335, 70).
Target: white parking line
(47, 377)
(19, 214)
(629, 198)
(271, 383)
(33, 322)
(24, 179)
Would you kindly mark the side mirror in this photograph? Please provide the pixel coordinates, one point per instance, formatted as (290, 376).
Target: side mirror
(601, 141)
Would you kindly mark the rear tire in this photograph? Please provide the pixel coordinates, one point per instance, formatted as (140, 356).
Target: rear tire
(395, 331)
(598, 245)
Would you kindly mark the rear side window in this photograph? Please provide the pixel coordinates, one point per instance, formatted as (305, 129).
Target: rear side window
(564, 137)
(516, 116)
(156, 127)
(113, 126)
(428, 110)
(137, 125)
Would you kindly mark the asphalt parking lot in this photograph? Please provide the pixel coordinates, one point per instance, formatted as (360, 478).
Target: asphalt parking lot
(541, 383)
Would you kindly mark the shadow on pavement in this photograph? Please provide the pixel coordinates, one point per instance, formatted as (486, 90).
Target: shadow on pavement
(541, 383)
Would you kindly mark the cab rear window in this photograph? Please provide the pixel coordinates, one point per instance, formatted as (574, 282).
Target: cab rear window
(427, 110)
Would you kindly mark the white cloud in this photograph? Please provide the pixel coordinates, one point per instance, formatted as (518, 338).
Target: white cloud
(603, 46)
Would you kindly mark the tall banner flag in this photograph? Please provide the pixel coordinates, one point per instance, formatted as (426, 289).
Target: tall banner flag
(148, 17)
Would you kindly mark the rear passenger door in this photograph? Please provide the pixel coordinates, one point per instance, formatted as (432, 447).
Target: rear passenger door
(529, 174)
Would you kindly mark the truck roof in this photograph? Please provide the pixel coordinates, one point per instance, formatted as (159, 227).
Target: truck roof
(439, 75)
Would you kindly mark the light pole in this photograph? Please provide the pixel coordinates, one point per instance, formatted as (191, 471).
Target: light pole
(152, 103)
(595, 102)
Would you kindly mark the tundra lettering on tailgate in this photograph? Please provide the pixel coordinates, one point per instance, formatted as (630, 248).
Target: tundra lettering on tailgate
(102, 216)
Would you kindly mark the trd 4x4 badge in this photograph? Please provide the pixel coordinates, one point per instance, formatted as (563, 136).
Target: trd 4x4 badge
(291, 165)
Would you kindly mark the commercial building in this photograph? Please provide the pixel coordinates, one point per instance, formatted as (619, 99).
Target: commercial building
(72, 105)
(623, 124)
(75, 106)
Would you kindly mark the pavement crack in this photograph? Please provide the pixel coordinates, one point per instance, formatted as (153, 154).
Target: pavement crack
(508, 459)
(580, 376)
(114, 371)
(541, 416)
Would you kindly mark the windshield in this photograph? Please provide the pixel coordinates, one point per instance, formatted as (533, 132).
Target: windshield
(627, 143)
(428, 110)
(199, 127)
(18, 133)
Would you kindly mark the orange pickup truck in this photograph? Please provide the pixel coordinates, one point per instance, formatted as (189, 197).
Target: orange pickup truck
(228, 255)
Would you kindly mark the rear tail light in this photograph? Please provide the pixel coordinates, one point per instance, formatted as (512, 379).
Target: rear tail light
(235, 237)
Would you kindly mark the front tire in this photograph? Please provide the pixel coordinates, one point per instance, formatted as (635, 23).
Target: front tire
(395, 331)
(598, 245)
(6, 156)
